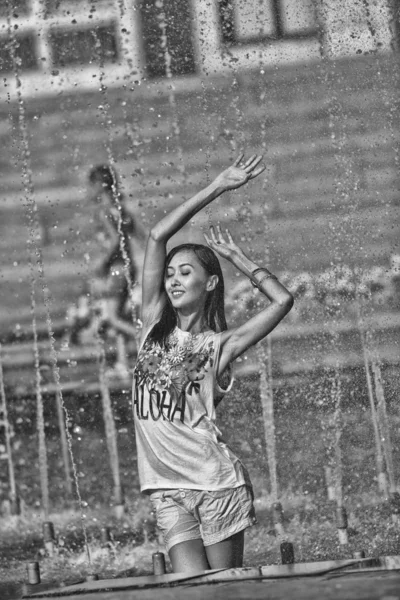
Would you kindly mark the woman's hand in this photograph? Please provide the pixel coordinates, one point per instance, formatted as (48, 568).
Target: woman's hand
(225, 248)
(238, 174)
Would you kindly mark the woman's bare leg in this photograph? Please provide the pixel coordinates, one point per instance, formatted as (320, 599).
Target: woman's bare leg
(227, 554)
(189, 557)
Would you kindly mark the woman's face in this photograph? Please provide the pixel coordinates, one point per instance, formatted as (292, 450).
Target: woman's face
(187, 283)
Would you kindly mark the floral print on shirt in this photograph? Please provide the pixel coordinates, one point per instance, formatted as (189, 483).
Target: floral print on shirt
(178, 368)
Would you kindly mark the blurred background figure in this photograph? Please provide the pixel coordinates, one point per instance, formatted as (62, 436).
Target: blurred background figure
(106, 307)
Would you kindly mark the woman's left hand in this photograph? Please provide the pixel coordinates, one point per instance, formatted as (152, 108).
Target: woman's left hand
(239, 173)
(224, 247)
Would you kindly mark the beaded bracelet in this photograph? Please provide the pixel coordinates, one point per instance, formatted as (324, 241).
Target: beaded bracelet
(267, 276)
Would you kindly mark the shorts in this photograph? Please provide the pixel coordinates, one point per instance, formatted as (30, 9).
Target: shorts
(211, 516)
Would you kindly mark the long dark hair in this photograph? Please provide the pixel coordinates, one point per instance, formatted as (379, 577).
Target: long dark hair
(214, 308)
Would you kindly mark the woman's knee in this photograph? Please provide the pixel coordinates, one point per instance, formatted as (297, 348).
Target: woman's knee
(189, 556)
(227, 554)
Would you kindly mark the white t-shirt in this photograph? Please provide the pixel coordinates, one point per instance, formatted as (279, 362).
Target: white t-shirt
(178, 442)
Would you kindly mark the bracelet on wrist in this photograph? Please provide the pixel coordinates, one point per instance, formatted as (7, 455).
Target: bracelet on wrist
(268, 275)
(258, 270)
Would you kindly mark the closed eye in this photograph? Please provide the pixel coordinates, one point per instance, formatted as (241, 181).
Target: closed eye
(170, 273)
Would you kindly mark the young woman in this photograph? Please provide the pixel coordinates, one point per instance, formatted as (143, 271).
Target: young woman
(109, 288)
(199, 489)
(115, 221)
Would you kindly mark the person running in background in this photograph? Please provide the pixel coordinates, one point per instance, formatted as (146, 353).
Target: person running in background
(121, 238)
(199, 490)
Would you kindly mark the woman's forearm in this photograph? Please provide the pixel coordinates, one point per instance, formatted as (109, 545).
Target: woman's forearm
(244, 264)
(230, 179)
(270, 286)
(182, 214)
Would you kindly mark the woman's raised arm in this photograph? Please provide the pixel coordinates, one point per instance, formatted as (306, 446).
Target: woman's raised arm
(237, 340)
(153, 294)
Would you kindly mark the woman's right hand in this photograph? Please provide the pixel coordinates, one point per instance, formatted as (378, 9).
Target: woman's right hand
(226, 248)
(238, 174)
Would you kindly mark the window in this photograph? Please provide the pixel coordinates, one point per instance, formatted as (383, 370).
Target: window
(17, 7)
(24, 52)
(63, 42)
(178, 22)
(85, 46)
(249, 21)
(60, 32)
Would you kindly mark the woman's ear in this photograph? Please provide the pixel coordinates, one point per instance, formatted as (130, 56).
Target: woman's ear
(212, 283)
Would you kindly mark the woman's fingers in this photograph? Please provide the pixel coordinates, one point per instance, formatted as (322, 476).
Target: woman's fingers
(217, 237)
(229, 236)
(211, 243)
(255, 160)
(257, 172)
(238, 160)
(249, 164)
(214, 245)
(220, 237)
(214, 237)
(249, 161)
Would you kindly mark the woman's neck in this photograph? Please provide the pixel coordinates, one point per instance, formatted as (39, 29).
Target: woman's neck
(194, 324)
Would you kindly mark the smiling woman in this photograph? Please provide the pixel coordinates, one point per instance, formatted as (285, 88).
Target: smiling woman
(200, 491)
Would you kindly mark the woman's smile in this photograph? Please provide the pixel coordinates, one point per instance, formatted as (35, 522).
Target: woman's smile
(183, 268)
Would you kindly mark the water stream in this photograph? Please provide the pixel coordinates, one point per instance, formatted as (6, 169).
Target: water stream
(162, 24)
(7, 433)
(34, 232)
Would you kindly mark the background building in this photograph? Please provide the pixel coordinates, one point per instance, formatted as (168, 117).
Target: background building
(169, 89)
(62, 42)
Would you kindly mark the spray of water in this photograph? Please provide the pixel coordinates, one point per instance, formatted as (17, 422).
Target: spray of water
(43, 466)
(336, 392)
(343, 191)
(264, 349)
(109, 423)
(371, 360)
(383, 421)
(31, 212)
(132, 126)
(209, 131)
(7, 433)
(107, 121)
(384, 451)
(389, 99)
(75, 154)
(111, 434)
(162, 24)
(64, 442)
(347, 194)
(267, 405)
(382, 481)
(347, 191)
